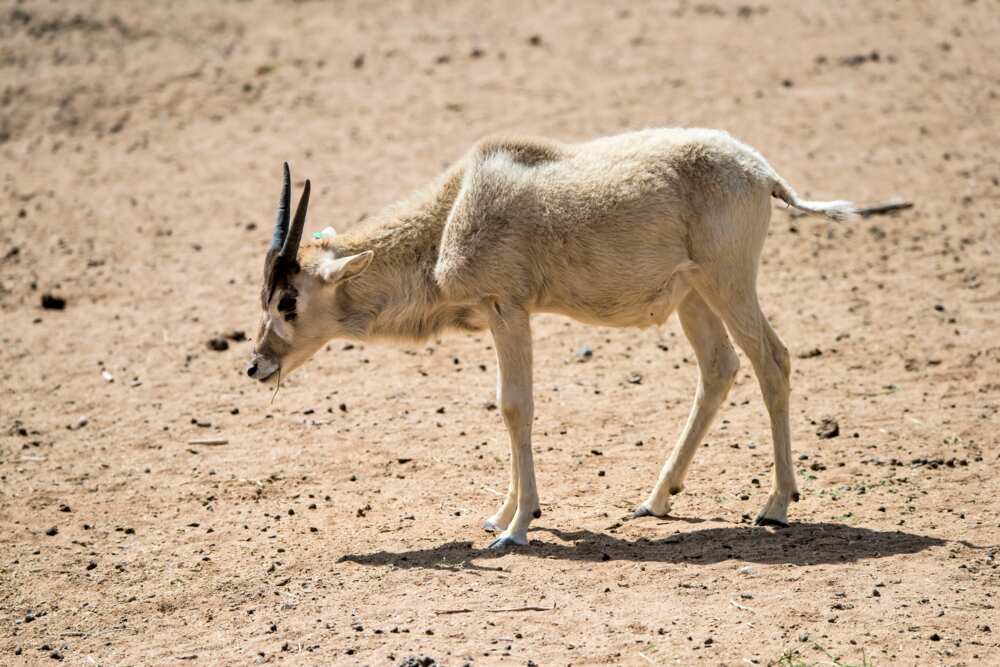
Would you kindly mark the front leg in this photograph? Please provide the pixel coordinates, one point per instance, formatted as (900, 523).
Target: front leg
(499, 521)
(512, 337)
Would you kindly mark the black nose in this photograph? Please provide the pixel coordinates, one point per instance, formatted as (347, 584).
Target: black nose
(252, 369)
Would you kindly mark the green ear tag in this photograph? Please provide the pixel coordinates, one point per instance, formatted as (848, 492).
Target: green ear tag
(327, 233)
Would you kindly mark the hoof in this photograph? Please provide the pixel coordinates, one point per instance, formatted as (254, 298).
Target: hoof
(505, 542)
(490, 526)
(642, 511)
(767, 521)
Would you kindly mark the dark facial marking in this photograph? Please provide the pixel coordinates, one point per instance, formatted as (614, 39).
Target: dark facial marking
(286, 305)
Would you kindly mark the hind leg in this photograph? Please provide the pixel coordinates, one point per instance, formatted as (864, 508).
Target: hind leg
(738, 307)
(717, 367)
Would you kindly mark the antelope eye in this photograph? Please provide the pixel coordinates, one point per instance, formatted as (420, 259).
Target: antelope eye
(286, 304)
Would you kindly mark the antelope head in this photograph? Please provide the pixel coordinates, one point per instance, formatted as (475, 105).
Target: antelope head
(300, 309)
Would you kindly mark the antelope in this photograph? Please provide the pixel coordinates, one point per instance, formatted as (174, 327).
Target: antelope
(619, 231)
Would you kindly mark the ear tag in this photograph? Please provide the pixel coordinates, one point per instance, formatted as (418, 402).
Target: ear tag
(327, 233)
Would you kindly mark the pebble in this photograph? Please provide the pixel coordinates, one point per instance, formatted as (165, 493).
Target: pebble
(828, 428)
(418, 661)
(746, 569)
(218, 344)
(53, 302)
(584, 353)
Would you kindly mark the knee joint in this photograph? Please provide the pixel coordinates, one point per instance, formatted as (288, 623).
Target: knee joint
(722, 371)
(514, 410)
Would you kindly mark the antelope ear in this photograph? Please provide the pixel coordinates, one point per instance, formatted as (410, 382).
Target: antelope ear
(338, 269)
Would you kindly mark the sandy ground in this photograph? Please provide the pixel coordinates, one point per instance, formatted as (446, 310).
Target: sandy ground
(140, 149)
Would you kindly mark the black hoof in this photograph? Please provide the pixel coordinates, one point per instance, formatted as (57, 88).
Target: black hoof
(766, 521)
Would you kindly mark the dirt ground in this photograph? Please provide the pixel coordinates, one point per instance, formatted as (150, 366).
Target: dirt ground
(140, 152)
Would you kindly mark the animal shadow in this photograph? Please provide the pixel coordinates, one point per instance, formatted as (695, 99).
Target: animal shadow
(800, 544)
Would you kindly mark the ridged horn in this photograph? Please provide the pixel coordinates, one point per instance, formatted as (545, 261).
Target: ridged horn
(284, 206)
(290, 249)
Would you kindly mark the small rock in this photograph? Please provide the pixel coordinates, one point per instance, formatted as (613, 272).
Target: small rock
(584, 353)
(828, 428)
(53, 302)
(218, 344)
(746, 569)
(107, 376)
(635, 378)
(935, 637)
(52, 531)
(418, 661)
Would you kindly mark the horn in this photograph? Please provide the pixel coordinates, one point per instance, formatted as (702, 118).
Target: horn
(284, 205)
(290, 249)
(272, 263)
